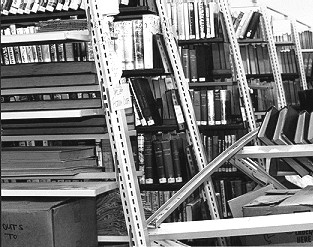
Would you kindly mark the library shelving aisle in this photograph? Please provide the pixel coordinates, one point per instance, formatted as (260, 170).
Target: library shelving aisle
(153, 231)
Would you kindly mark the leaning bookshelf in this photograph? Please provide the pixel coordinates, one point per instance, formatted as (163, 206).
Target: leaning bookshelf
(153, 218)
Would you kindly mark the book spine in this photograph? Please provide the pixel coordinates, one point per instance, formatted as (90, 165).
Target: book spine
(148, 161)
(138, 44)
(176, 161)
(186, 62)
(202, 21)
(159, 161)
(10, 50)
(210, 107)
(168, 161)
(204, 107)
(178, 110)
(141, 157)
(197, 106)
(193, 65)
(151, 26)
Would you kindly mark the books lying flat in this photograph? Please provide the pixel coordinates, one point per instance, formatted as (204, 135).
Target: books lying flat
(286, 126)
(267, 128)
(53, 153)
(42, 164)
(49, 172)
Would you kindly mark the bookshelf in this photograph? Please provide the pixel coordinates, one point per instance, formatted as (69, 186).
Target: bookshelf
(142, 232)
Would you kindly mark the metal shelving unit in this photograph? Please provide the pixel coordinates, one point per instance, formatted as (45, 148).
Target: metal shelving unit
(153, 232)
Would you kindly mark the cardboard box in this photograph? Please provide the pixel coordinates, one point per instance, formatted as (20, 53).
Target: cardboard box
(48, 222)
(281, 202)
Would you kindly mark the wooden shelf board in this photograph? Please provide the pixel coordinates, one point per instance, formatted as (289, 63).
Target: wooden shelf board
(68, 189)
(233, 227)
(51, 114)
(46, 37)
(276, 151)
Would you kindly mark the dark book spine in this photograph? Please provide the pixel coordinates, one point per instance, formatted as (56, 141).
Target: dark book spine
(253, 25)
(168, 161)
(159, 161)
(176, 161)
(148, 161)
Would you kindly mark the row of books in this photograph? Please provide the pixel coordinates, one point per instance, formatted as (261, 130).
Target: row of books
(247, 24)
(229, 188)
(163, 158)
(201, 61)
(134, 41)
(256, 59)
(49, 97)
(156, 102)
(288, 126)
(306, 39)
(212, 106)
(61, 52)
(195, 19)
(215, 145)
(291, 89)
(27, 7)
(287, 59)
(263, 94)
(192, 209)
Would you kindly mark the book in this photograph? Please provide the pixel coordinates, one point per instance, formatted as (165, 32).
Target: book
(141, 157)
(252, 25)
(267, 128)
(49, 153)
(197, 106)
(146, 100)
(178, 110)
(302, 128)
(176, 161)
(286, 126)
(203, 107)
(157, 147)
(217, 107)
(210, 107)
(148, 161)
(168, 161)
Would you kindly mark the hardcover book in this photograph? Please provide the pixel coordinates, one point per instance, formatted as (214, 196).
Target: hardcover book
(286, 126)
(302, 128)
(267, 128)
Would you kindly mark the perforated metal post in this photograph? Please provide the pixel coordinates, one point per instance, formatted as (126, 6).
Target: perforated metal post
(299, 57)
(183, 89)
(281, 99)
(241, 75)
(109, 74)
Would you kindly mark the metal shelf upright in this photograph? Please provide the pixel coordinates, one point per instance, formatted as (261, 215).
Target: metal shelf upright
(109, 74)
